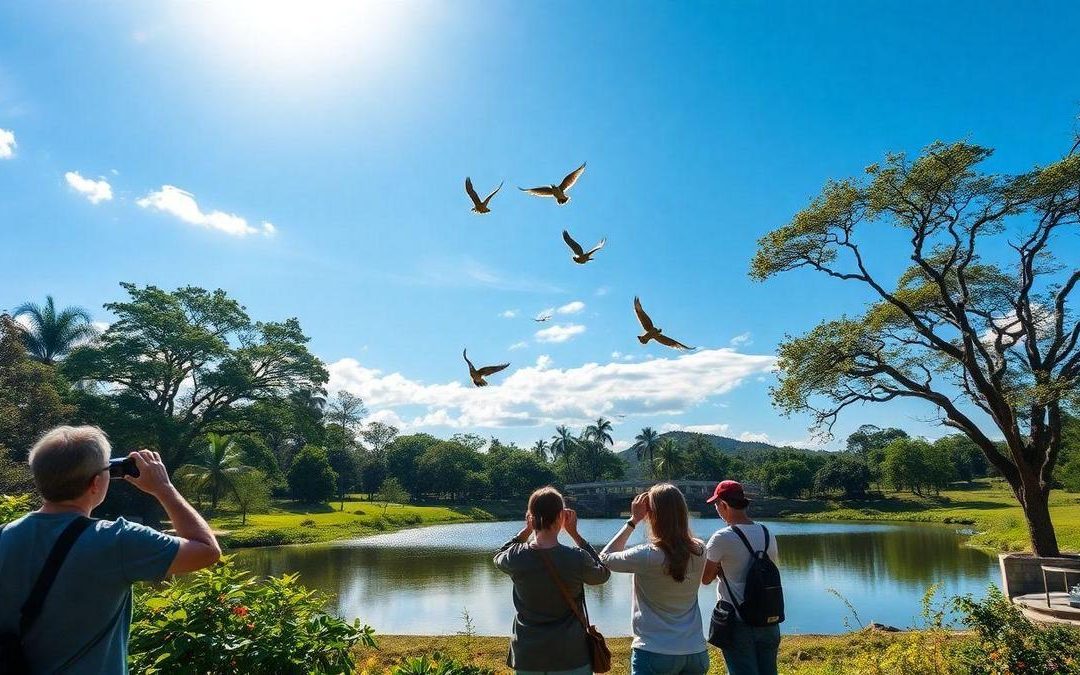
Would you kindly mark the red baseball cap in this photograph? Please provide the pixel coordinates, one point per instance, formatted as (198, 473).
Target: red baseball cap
(731, 491)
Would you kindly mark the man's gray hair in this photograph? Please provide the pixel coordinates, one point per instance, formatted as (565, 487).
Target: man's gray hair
(65, 459)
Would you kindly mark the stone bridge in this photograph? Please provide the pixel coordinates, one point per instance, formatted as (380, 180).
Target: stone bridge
(611, 499)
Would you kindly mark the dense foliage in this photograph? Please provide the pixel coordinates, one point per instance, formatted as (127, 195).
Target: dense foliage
(221, 620)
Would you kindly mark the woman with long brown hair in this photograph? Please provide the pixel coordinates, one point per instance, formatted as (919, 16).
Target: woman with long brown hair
(666, 619)
(548, 636)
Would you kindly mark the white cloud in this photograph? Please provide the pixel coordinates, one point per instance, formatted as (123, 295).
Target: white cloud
(508, 313)
(7, 144)
(741, 340)
(559, 332)
(714, 429)
(518, 345)
(96, 191)
(750, 437)
(543, 395)
(602, 291)
(619, 356)
(181, 204)
(571, 307)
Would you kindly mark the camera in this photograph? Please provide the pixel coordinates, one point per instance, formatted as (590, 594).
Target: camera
(122, 466)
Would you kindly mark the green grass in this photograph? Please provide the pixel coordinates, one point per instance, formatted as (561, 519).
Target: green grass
(988, 508)
(799, 654)
(290, 523)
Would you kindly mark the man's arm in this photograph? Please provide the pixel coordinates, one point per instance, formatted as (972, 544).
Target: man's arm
(198, 545)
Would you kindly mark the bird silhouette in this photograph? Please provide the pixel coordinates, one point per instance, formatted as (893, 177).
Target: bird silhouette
(479, 206)
(580, 256)
(652, 332)
(478, 374)
(557, 191)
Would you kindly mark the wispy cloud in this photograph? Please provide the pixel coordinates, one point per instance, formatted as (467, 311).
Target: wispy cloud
(571, 307)
(741, 340)
(559, 332)
(7, 144)
(470, 273)
(508, 313)
(182, 205)
(95, 191)
(518, 345)
(542, 394)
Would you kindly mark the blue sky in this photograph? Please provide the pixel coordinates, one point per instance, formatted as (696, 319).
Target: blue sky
(350, 130)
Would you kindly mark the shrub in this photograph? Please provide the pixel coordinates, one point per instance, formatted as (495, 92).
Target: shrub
(13, 506)
(438, 664)
(221, 620)
(1007, 642)
(311, 479)
(307, 522)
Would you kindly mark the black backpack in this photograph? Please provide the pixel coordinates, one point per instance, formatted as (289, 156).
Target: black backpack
(763, 594)
(12, 656)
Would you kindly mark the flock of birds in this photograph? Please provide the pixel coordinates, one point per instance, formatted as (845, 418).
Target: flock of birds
(558, 191)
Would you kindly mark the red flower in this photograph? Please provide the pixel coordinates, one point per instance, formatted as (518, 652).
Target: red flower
(240, 610)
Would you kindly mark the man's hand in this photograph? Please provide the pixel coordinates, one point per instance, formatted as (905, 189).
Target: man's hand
(153, 477)
(640, 507)
(569, 523)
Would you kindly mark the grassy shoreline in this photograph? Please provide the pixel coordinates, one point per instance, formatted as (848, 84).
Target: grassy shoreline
(799, 654)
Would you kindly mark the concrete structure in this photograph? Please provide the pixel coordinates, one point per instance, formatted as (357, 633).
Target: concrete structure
(611, 499)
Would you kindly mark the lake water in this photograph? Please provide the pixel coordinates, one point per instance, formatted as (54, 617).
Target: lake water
(420, 581)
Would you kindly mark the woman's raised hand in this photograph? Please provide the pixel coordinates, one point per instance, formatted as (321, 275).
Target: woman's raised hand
(526, 531)
(569, 523)
(640, 507)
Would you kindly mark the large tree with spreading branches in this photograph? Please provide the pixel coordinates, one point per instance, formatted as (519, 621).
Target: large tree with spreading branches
(978, 324)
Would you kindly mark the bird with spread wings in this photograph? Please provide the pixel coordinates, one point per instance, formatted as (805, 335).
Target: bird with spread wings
(654, 333)
(558, 191)
(478, 374)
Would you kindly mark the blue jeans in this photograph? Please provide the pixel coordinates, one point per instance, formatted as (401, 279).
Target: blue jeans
(651, 663)
(753, 650)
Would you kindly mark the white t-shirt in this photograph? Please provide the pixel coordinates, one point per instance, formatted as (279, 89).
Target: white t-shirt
(726, 548)
(664, 614)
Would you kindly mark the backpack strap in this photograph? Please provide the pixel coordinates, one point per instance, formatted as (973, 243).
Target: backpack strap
(31, 609)
(746, 542)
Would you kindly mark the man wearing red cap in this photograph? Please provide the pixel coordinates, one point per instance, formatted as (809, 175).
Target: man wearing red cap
(752, 650)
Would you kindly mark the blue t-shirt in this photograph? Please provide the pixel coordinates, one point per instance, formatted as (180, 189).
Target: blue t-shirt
(92, 587)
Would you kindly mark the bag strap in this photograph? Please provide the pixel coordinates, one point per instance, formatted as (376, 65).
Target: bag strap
(31, 609)
(583, 618)
(746, 542)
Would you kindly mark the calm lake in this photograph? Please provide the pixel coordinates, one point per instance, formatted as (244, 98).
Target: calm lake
(421, 581)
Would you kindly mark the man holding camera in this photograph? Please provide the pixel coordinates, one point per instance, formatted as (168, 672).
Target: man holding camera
(79, 622)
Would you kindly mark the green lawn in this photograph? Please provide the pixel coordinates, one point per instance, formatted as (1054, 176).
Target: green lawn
(290, 523)
(988, 507)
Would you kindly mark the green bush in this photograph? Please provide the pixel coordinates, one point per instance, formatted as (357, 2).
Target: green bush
(221, 620)
(438, 664)
(13, 506)
(311, 479)
(268, 536)
(1006, 642)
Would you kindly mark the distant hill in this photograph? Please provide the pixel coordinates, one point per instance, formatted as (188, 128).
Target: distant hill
(731, 446)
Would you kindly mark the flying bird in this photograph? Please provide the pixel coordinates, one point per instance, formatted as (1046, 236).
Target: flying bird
(652, 332)
(541, 318)
(479, 206)
(557, 191)
(580, 256)
(478, 374)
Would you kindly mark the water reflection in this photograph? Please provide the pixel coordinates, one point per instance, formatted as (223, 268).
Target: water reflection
(419, 581)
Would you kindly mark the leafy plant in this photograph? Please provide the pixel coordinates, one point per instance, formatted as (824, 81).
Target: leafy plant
(1007, 642)
(13, 506)
(222, 620)
(438, 664)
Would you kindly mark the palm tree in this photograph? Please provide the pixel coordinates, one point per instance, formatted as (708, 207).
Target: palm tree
(562, 443)
(645, 445)
(600, 432)
(669, 460)
(52, 335)
(540, 449)
(214, 469)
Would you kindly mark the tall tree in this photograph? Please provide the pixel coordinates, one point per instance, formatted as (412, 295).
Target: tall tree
(670, 460)
(378, 437)
(214, 470)
(645, 445)
(346, 410)
(960, 329)
(32, 395)
(190, 361)
(600, 432)
(540, 450)
(52, 335)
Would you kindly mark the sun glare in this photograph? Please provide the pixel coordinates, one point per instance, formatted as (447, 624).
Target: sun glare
(287, 35)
